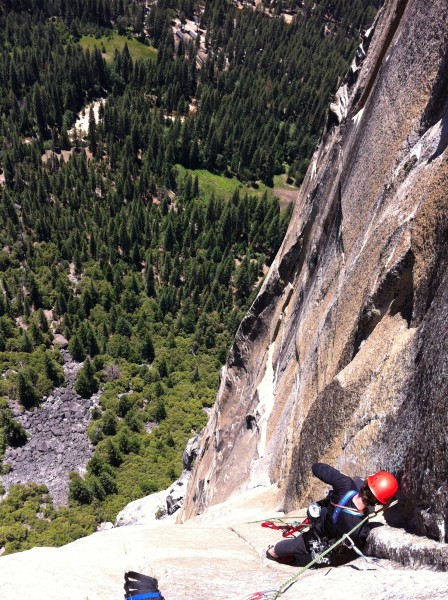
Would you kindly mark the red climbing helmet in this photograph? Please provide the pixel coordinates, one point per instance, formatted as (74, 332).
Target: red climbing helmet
(383, 486)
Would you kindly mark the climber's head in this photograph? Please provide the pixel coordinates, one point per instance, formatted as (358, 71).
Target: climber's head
(382, 486)
(367, 496)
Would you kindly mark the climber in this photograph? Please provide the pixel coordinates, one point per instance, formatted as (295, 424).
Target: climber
(347, 502)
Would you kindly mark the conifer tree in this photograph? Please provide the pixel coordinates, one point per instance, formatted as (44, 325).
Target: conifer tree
(52, 370)
(27, 393)
(76, 348)
(147, 347)
(114, 456)
(87, 383)
(92, 132)
(26, 345)
(150, 284)
(161, 413)
(79, 490)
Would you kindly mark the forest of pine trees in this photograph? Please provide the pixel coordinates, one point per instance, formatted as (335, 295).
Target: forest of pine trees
(104, 242)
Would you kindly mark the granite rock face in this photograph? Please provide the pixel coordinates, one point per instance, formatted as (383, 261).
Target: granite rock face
(343, 356)
(218, 555)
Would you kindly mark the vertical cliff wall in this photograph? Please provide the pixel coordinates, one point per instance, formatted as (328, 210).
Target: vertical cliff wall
(343, 356)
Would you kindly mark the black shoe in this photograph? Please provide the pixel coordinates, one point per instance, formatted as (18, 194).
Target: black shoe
(137, 584)
(282, 560)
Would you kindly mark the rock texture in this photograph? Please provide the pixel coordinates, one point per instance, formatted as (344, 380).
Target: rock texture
(149, 511)
(58, 441)
(343, 357)
(220, 555)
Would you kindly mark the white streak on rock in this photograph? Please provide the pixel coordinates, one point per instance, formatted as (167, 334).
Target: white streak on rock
(416, 151)
(357, 118)
(266, 404)
(340, 105)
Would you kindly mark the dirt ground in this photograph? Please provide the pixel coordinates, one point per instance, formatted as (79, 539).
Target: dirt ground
(65, 154)
(286, 195)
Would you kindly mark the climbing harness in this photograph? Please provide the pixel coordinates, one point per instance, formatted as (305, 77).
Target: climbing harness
(341, 507)
(313, 513)
(345, 539)
(318, 545)
(287, 584)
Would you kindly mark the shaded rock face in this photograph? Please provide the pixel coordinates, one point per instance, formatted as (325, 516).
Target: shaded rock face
(58, 442)
(343, 357)
(176, 492)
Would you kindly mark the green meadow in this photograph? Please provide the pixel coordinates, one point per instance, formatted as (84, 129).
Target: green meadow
(117, 42)
(224, 187)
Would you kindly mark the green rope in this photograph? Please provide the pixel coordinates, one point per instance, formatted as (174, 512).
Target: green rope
(287, 584)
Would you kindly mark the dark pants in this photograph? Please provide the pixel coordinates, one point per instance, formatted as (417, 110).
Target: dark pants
(294, 547)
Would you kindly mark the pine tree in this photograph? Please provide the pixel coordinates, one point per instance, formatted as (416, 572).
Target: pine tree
(27, 393)
(160, 414)
(147, 347)
(114, 456)
(39, 111)
(195, 374)
(35, 294)
(26, 345)
(79, 491)
(109, 423)
(149, 280)
(52, 370)
(92, 132)
(76, 348)
(87, 383)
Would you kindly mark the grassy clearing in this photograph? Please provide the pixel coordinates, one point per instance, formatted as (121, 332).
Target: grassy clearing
(117, 42)
(280, 182)
(224, 187)
(285, 192)
(221, 186)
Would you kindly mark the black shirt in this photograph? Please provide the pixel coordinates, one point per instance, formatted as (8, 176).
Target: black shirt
(341, 484)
